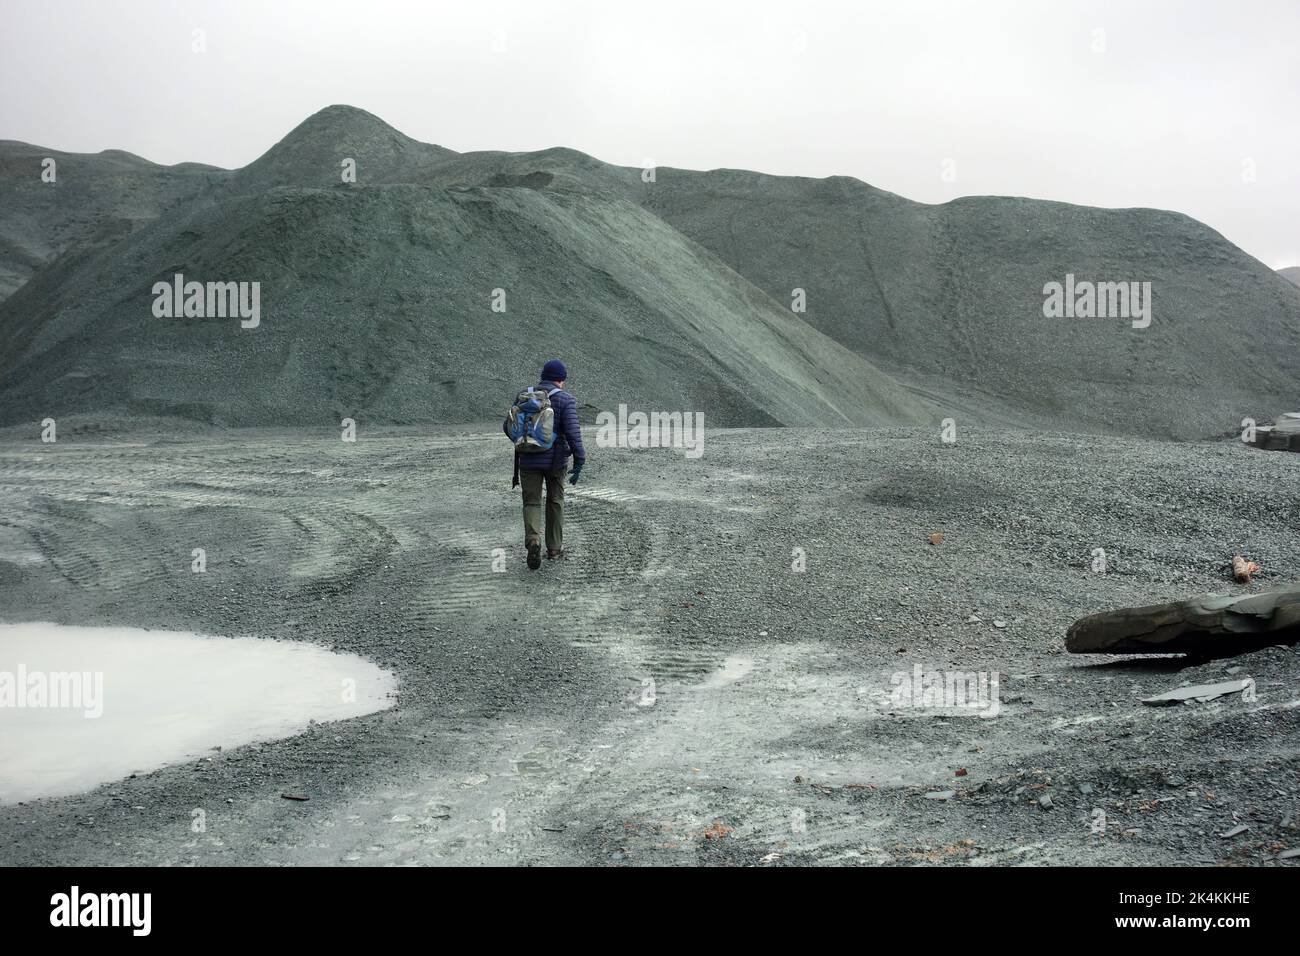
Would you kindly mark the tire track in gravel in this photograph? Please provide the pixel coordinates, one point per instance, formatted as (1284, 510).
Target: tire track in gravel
(97, 545)
(654, 656)
(92, 554)
(597, 592)
(366, 542)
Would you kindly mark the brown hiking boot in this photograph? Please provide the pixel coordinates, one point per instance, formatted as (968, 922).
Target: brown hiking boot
(552, 555)
(534, 556)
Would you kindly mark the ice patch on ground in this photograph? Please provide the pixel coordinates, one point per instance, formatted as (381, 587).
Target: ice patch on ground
(81, 706)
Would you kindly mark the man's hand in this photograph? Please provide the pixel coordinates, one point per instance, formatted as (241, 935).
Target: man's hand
(577, 470)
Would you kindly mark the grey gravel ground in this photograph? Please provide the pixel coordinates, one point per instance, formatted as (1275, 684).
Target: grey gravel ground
(675, 693)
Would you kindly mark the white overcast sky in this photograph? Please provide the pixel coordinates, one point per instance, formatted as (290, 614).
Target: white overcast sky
(1172, 104)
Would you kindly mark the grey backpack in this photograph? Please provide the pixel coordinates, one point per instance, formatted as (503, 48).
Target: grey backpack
(530, 423)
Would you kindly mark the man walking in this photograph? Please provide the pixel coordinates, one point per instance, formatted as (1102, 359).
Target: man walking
(533, 467)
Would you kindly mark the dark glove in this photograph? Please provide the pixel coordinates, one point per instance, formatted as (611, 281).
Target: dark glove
(577, 470)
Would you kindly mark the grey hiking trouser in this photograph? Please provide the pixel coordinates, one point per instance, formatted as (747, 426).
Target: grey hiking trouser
(531, 483)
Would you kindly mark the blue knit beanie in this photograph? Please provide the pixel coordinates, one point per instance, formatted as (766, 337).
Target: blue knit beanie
(554, 371)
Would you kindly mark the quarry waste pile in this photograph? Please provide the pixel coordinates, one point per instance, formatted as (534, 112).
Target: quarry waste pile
(401, 297)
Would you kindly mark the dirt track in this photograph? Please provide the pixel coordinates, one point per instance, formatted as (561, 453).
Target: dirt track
(526, 732)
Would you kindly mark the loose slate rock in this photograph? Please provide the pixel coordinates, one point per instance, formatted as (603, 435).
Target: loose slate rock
(1210, 625)
(1197, 692)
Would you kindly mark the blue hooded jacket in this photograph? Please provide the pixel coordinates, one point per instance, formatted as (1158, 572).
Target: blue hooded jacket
(568, 435)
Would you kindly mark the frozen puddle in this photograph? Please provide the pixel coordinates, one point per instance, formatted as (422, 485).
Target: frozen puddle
(80, 706)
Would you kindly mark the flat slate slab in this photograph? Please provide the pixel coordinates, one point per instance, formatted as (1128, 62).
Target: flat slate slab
(1198, 692)
(1209, 624)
